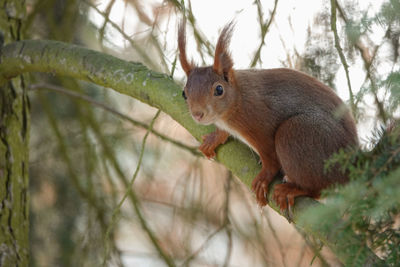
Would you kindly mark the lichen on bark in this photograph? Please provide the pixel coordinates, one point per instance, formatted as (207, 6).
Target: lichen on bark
(14, 152)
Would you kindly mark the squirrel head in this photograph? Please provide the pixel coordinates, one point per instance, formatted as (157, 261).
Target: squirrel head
(210, 92)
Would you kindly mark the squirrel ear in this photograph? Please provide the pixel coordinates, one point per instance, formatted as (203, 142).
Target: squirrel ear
(222, 61)
(187, 67)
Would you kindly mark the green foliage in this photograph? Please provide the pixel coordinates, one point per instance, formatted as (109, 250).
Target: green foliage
(392, 83)
(370, 204)
(355, 29)
(319, 59)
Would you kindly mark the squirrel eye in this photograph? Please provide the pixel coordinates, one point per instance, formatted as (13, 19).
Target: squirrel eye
(219, 90)
(184, 95)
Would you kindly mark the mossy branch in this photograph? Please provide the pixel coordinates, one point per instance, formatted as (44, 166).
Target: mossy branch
(158, 90)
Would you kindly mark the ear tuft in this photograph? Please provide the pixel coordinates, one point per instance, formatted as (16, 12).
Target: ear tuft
(223, 63)
(186, 66)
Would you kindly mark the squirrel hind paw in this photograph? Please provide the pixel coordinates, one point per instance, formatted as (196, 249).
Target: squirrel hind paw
(284, 195)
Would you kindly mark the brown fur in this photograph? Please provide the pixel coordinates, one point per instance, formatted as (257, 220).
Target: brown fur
(293, 121)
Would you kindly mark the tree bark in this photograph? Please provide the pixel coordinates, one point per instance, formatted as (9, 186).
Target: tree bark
(14, 141)
(160, 91)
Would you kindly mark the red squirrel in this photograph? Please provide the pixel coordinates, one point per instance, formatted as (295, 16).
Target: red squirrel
(293, 121)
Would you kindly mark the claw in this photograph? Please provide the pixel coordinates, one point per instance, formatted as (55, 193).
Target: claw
(260, 187)
(284, 195)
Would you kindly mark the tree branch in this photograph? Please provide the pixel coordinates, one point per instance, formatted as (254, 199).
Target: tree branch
(341, 55)
(158, 90)
(368, 64)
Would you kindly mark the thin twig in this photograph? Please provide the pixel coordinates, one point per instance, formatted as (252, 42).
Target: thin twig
(106, 16)
(136, 203)
(341, 55)
(140, 160)
(368, 60)
(62, 90)
(264, 27)
(202, 246)
(109, 153)
(91, 199)
(287, 52)
(228, 225)
(256, 239)
(141, 14)
(201, 41)
(275, 235)
(140, 51)
(130, 192)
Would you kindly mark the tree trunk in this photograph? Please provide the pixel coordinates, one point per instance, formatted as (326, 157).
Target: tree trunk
(14, 150)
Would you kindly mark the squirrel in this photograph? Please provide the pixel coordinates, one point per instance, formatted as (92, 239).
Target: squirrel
(291, 120)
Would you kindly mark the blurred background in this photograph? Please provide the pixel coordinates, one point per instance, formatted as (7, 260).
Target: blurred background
(89, 143)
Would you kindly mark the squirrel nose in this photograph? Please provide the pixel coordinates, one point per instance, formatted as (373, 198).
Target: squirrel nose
(198, 115)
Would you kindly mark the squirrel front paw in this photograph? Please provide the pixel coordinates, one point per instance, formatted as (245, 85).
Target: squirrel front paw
(212, 141)
(209, 145)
